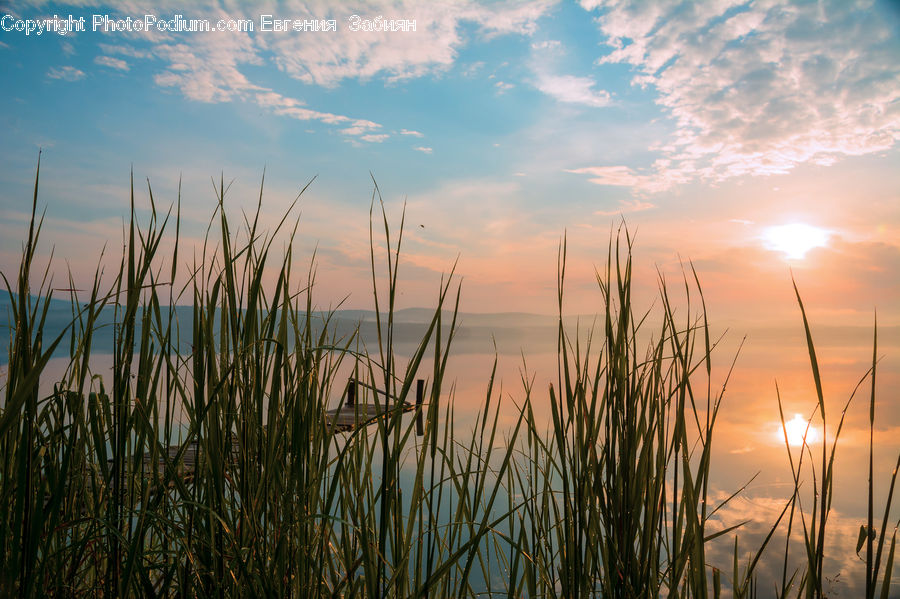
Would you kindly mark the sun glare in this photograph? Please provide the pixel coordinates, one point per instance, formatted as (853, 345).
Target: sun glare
(796, 428)
(794, 240)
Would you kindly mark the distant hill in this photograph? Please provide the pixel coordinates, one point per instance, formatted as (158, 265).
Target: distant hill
(512, 332)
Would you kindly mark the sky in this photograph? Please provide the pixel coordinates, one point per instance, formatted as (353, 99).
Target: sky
(755, 140)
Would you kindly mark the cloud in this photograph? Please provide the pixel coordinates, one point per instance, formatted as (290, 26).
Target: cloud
(546, 45)
(293, 108)
(759, 88)
(66, 73)
(608, 175)
(546, 64)
(472, 69)
(862, 269)
(756, 514)
(411, 132)
(114, 63)
(623, 176)
(124, 50)
(432, 48)
(503, 87)
(209, 68)
(423, 149)
(360, 127)
(626, 206)
(212, 67)
(573, 90)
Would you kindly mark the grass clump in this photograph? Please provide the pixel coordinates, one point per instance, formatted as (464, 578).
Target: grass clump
(204, 465)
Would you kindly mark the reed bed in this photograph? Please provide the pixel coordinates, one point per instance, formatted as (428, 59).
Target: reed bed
(260, 497)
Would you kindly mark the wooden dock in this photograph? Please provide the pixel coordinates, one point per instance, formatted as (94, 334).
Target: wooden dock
(352, 415)
(348, 417)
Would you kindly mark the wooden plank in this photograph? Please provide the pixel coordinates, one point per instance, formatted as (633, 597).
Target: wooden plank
(188, 462)
(349, 417)
(352, 415)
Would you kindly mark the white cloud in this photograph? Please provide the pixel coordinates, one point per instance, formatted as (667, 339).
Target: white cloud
(546, 45)
(295, 109)
(573, 90)
(423, 149)
(292, 108)
(652, 180)
(124, 50)
(411, 132)
(208, 68)
(212, 67)
(360, 128)
(626, 206)
(608, 175)
(66, 73)
(211, 70)
(503, 86)
(473, 69)
(757, 89)
(431, 48)
(114, 63)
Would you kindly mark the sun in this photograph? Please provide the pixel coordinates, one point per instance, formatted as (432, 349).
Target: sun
(796, 428)
(794, 240)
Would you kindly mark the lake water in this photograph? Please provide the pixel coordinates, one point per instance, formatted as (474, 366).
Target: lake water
(747, 439)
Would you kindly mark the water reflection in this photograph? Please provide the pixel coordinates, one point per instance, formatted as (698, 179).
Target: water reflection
(797, 431)
(749, 439)
(521, 352)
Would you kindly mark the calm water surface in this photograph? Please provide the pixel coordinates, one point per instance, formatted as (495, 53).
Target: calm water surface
(747, 438)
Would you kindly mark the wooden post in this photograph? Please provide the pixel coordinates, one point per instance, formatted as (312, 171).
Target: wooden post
(351, 392)
(420, 396)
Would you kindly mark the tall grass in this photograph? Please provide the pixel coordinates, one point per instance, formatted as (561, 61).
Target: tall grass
(204, 464)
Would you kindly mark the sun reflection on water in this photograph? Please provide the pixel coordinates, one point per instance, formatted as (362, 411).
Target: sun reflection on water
(796, 429)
